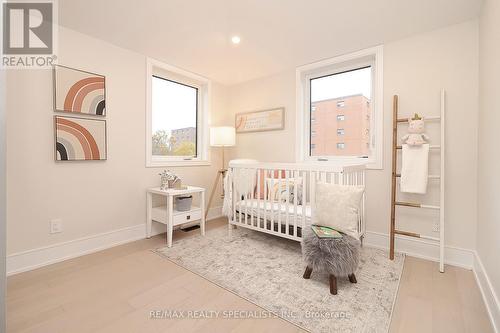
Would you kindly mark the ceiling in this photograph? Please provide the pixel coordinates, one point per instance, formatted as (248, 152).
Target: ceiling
(275, 34)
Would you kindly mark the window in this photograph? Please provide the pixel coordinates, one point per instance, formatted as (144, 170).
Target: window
(177, 108)
(345, 94)
(174, 111)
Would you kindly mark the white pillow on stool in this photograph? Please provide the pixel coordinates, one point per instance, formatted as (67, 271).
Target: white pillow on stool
(338, 207)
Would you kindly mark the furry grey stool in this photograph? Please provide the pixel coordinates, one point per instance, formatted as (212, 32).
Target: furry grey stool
(338, 257)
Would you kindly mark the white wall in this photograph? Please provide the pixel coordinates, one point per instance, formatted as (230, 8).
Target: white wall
(416, 68)
(488, 217)
(90, 197)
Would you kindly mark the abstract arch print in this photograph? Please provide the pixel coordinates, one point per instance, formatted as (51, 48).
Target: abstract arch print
(79, 91)
(79, 139)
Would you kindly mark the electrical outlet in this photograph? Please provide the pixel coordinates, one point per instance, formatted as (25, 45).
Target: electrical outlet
(435, 226)
(56, 226)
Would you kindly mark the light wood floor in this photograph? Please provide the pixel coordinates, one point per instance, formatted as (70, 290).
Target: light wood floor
(115, 290)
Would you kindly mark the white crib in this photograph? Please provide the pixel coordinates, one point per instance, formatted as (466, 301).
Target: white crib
(248, 185)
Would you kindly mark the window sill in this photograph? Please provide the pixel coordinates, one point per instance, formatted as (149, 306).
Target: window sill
(180, 163)
(369, 163)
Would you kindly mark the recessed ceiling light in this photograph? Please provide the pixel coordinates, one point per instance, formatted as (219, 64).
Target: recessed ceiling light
(236, 40)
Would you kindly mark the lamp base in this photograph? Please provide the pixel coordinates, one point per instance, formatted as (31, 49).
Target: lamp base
(221, 173)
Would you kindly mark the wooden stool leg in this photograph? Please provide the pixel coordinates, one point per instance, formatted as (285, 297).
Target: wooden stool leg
(352, 278)
(307, 273)
(333, 284)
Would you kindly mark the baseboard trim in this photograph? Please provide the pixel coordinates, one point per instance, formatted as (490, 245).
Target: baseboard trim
(489, 295)
(422, 248)
(35, 258)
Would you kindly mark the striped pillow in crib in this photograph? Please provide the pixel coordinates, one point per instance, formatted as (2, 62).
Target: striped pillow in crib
(260, 189)
(278, 190)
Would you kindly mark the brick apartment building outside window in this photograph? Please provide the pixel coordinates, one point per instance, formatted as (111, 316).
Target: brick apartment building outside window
(348, 132)
(341, 125)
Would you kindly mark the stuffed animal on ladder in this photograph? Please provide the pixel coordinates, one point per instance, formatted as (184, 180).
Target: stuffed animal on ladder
(416, 129)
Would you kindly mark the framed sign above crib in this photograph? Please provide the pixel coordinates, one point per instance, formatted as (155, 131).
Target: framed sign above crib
(259, 121)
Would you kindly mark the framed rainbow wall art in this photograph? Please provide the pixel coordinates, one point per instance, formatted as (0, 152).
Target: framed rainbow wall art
(259, 121)
(79, 92)
(80, 139)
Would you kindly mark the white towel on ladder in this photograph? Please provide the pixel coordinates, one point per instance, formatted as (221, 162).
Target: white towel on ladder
(415, 169)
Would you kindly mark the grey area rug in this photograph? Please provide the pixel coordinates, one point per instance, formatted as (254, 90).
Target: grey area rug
(267, 270)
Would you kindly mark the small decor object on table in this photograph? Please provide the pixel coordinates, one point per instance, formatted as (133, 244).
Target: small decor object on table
(336, 256)
(178, 214)
(170, 180)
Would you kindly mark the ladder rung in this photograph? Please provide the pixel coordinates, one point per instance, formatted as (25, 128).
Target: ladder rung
(415, 205)
(406, 233)
(431, 147)
(430, 176)
(405, 120)
(413, 234)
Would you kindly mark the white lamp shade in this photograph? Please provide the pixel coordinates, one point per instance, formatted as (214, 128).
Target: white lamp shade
(223, 136)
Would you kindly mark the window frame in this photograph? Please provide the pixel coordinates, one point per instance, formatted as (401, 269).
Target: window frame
(203, 86)
(368, 57)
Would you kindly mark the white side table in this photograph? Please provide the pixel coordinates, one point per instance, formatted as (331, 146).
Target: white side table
(166, 214)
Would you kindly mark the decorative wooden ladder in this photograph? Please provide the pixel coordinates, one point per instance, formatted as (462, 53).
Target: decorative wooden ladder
(440, 177)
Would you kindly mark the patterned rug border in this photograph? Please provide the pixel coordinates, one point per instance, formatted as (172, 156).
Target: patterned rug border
(159, 253)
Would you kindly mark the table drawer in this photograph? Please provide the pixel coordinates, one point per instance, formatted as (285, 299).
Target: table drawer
(186, 217)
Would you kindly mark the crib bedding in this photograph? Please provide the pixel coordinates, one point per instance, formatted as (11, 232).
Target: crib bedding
(272, 210)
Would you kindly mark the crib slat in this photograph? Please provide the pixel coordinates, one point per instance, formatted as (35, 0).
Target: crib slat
(363, 226)
(233, 193)
(295, 199)
(245, 195)
(266, 197)
(258, 197)
(252, 200)
(271, 200)
(280, 206)
(304, 202)
(238, 199)
(312, 189)
(287, 202)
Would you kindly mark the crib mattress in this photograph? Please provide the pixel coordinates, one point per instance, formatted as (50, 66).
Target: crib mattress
(273, 210)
